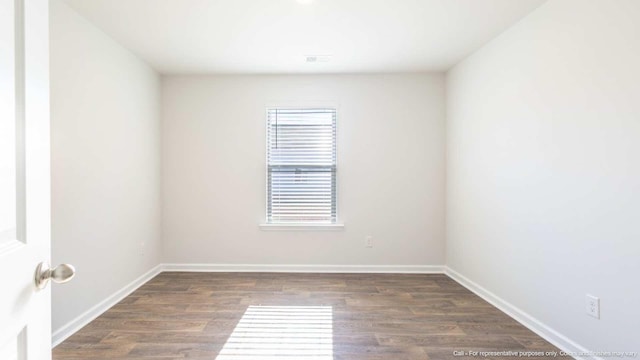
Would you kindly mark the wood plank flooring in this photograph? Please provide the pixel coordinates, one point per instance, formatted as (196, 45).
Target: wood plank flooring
(298, 316)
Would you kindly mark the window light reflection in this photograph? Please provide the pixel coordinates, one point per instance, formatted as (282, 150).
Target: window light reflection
(281, 332)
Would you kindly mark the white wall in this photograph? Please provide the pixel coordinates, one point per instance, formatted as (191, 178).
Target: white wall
(543, 174)
(390, 169)
(105, 163)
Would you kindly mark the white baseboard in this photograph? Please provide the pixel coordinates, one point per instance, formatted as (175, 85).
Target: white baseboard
(554, 337)
(79, 322)
(393, 269)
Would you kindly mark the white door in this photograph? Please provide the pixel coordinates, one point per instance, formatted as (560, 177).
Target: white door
(25, 312)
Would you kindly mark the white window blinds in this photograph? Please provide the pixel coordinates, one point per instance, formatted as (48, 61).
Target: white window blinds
(301, 157)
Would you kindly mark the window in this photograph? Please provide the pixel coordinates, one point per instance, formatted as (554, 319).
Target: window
(301, 161)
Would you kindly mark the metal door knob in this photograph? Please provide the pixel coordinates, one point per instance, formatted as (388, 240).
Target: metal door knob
(60, 274)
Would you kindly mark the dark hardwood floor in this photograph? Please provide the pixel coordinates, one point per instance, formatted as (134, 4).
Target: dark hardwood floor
(299, 316)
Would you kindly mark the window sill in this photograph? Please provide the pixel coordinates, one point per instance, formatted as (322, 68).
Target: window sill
(301, 227)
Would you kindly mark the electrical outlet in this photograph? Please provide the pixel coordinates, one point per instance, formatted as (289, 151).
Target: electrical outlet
(368, 241)
(593, 306)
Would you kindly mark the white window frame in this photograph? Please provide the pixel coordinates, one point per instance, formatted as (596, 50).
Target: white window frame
(299, 226)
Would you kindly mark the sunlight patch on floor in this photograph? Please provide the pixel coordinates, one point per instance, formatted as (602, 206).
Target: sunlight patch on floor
(281, 332)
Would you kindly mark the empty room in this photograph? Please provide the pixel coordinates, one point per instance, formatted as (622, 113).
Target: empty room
(319, 179)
